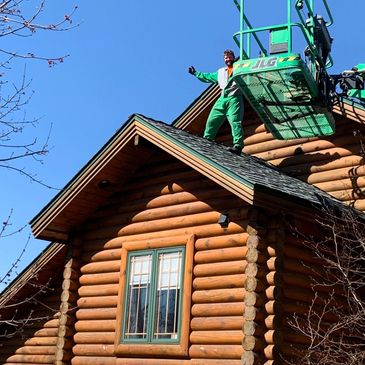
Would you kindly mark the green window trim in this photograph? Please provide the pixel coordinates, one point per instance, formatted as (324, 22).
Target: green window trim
(151, 284)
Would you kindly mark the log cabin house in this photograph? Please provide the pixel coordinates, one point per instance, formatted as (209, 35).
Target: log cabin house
(166, 249)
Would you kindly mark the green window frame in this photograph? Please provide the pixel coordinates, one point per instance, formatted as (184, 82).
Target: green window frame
(153, 296)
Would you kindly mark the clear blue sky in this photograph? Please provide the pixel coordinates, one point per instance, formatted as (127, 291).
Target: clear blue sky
(129, 56)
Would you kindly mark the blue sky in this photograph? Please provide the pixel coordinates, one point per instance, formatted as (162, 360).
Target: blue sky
(128, 56)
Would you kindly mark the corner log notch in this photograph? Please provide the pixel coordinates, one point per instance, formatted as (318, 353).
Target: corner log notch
(69, 295)
(255, 285)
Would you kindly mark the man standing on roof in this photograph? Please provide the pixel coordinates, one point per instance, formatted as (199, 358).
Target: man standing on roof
(229, 105)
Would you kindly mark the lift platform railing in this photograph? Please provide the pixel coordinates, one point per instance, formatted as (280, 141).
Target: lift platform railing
(243, 37)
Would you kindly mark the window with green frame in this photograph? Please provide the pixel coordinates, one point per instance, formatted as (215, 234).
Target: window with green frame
(153, 296)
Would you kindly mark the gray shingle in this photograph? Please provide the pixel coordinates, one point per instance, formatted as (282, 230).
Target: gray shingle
(252, 171)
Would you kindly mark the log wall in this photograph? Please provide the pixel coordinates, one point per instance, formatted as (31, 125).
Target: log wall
(335, 164)
(36, 340)
(166, 202)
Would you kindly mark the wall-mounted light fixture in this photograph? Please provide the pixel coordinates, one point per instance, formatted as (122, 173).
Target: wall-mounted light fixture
(103, 184)
(223, 220)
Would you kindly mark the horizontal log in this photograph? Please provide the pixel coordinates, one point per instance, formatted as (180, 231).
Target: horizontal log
(94, 338)
(216, 351)
(117, 242)
(339, 163)
(170, 223)
(314, 145)
(340, 184)
(96, 313)
(207, 230)
(52, 323)
(149, 361)
(101, 267)
(221, 241)
(217, 309)
(139, 214)
(95, 326)
(220, 255)
(98, 302)
(41, 341)
(220, 268)
(104, 255)
(218, 296)
(275, 144)
(216, 337)
(345, 195)
(219, 282)
(217, 323)
(98, 290)
(31, 359)
(93, 360)
(337, 174)
(93, 350)
(43, 332)
(101, 278)
(36, 350)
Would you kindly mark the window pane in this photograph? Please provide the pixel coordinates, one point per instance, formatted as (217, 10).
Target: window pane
(138, 293)
(167, 295)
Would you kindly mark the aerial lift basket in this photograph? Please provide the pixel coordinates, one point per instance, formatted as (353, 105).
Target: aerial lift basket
(288, 93)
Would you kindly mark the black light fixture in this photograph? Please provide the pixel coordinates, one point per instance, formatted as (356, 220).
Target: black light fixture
(103, 184)
(223, 220)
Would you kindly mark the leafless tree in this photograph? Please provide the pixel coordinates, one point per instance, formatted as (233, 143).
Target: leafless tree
(20, 19)
(335, 328)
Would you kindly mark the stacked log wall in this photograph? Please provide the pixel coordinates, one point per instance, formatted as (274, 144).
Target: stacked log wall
(36, 341)
(166, 202)
(305, 294)
(334, 164)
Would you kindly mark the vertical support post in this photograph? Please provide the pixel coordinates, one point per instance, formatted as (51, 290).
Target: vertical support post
(242, 27)
(289, 28)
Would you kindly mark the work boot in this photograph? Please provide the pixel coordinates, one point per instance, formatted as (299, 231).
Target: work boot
(236, 149)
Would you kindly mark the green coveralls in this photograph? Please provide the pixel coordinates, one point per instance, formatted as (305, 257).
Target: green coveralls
(229, 105)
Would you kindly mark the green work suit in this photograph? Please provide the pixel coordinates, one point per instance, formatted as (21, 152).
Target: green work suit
(229, 105)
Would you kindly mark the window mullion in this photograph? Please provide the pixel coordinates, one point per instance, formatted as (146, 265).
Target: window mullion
(151, 307)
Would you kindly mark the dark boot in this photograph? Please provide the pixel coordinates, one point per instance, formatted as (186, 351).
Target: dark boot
(236, 149)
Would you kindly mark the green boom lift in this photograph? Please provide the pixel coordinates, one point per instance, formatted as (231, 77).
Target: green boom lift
(292, 95)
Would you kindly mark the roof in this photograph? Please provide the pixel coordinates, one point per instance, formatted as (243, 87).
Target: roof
(245, 176)
(37, 274)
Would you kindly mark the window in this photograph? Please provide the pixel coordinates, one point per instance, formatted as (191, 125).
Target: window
(154, 299)
(153, 296)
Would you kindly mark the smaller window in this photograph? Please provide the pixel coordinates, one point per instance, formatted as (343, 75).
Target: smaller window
(153, 296)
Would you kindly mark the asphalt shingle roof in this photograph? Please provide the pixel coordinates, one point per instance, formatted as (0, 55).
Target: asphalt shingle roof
(254, 172)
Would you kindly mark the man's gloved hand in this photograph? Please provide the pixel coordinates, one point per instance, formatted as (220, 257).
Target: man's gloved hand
(191, 70)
